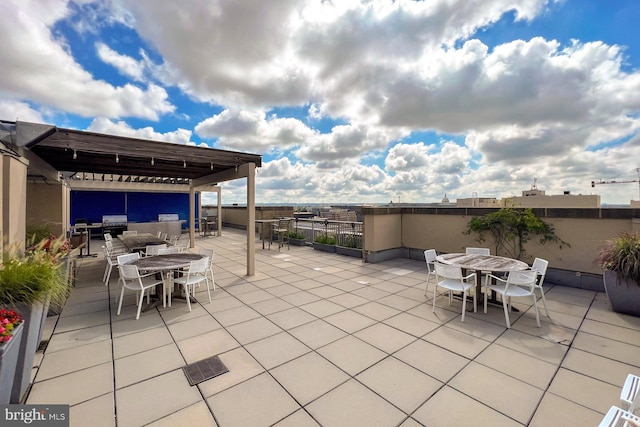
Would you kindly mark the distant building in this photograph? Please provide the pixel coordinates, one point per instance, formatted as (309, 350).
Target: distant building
(479, 202)
(340, 215)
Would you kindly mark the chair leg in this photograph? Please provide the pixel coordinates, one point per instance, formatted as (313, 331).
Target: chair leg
(486, 291)
(506, 311)
(544, 303)
(535, 306)
(140, 304)
(435, 294)
(186, 294)
(120, 303)
(206, 282)
(464, 304)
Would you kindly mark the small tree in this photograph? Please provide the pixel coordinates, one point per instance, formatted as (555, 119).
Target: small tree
(510, 229)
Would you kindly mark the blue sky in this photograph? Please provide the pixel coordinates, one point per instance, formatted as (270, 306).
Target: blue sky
(352, 101)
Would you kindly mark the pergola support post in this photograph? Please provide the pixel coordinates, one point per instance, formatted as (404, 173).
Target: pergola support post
(251, 219)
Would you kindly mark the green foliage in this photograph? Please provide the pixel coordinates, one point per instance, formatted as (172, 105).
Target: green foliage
(622, 255)
(327, 239)
(296, 235)
(37, 233)
(34, 276)
(351, 241)
(510, 229)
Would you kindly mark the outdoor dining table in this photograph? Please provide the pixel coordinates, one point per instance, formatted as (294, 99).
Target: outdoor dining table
(262, 222)
(480, 263)
(138, 242)
(165, 265)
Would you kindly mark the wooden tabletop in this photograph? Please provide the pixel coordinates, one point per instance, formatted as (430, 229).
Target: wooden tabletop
(135, 242)
(165, 262)
(482, 262)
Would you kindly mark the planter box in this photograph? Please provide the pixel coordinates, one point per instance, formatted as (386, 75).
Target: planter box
(32, 315)
(324, 247)
(297, 242)
(354, 252)
(624, 295)
(9, 353)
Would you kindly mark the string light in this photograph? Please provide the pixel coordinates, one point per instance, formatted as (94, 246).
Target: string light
(117, 158)
(211, 165)
(75, 155)
(236, 168)
(184, 163)
(153, 162)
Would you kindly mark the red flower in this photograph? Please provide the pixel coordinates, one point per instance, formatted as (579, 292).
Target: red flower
(9, 319)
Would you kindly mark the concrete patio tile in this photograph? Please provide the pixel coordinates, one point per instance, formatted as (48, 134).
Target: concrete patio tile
(590, 364)
(404, 386)
(566, 308)
(557, 411)
(603, 313)
(349, 321)
(59, 363)
(341, 353)
(268, 283)
(276, 350)
(317, 333)
(585, 391)
(150, 363)
(300, 297)
(254, 296)
(503, 393)
(75, 387)
(241, 365)
(411, 324)
(449, 407)
(221, 304)
(79, 337)
(533, 346)
(410, 422)
(84, 308)
(299, 418)
(253, 330)
(612, 332)
(385, 337)
(271, 305)
(528, 369)
(612, 349)
(348, 300)
(326, 291)
(193, 327)
(459, 342)
(322, 308)
(370, 293)
(432, 360)
(291, 318)
(235, 315)
(135, 343)
(82, 321)
(206, 345)
(179, 312)
(376, 310)
(150, 400)
(441, 316)
(389, 286)
(238, 288)
(308, 377)
(352, 404)
(398, 302)
(194, 415)
(414, 293)
(284, 289)
(549, 331)
(561, 319)
(259, 401)
(307, 284)
(99, 410)
(476, 325)
(123, 326)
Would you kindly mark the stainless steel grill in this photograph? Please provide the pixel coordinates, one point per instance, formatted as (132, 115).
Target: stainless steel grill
(114, 224)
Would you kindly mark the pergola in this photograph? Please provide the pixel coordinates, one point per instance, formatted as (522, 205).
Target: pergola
(73, 153)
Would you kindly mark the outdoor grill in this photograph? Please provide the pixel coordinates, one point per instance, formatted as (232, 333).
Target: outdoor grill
(168, 217)
(114, 224)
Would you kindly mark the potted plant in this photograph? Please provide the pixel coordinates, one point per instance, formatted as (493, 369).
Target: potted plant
(620, 259)
(349, 245)
(11, 325)
(325, 243)
(296, 238)
(28, 282)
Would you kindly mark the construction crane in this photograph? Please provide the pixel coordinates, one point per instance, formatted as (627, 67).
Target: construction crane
(613, 181)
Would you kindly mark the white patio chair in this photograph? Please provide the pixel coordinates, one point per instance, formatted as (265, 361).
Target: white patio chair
(194, 275)
(209, 274)
(478, 251)
(111, 262)
(450, 277)
(617, 417)
(152, 250)
(630, 394)
(129, 233)
(430, 259)
(170, 250)
(519, 283)
(540, 265)
(159, 235)
(130, 278)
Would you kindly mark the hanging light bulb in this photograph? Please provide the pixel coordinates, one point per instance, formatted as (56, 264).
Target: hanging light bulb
(153, 162)
(211, 165)
(236, 168)
(75, 155)
(117, 158)
(184, 163)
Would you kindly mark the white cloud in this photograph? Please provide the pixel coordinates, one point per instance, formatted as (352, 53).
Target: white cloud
(15, 110)
(123, 63)
(104, 125)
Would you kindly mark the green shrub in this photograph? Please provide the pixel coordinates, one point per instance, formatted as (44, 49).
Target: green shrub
(326, 239)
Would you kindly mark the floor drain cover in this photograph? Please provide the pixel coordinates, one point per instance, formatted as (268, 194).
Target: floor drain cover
(205, 369)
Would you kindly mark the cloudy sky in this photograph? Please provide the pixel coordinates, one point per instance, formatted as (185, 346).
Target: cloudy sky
(358, 101)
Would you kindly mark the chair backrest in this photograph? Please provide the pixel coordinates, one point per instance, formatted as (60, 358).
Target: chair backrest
(108, 244)
(127, 258)
(478, 251)
(151, 250)
(540, 265)
(523, 278)
(448, 271)
(107, 237)
(174, 240)
(199, 266)
(129, 272)
(159, 235)
(430, 258)
(171, 250)
(129, 232)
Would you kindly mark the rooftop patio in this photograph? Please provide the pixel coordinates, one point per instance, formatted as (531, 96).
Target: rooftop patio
(321, 339)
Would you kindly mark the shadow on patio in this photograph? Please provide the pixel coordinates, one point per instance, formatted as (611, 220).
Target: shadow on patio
(322, 339)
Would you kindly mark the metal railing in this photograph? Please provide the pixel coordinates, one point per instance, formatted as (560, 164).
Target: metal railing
(342, 233)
